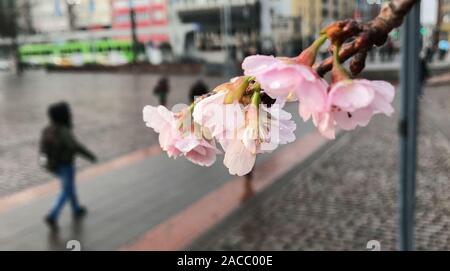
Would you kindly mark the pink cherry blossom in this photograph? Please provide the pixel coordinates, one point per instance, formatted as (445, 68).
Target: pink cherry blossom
(280, 77)
(163, 122)
(198, 151)
(276, 127)
(354, 102)
(313, 99)
(176, 141)
(221, 120)
(324, 121)
(265, 129)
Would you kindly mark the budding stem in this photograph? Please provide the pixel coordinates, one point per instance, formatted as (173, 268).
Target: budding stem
(236, 94)
(319, 42)
(256, 97)
(338, 72)
(308, 56)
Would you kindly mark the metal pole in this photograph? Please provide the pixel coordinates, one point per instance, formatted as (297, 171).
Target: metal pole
(410, 86)
(134, 39)
(226, 36)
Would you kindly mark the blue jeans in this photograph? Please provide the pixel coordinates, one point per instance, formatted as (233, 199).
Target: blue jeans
(66, 175)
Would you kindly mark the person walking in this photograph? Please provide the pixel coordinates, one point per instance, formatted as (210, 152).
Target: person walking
(443, 49)
(58, 150)
(198, 89)
(161, 90)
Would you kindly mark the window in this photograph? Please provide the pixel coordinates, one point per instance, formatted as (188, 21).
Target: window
(159, 15)
(120, 19)
(142, 16)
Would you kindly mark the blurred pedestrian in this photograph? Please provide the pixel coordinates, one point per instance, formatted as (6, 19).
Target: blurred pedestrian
(443, 49)
(58, 150)
(162, 90)
(429, 53)
(390, 49)
(424, 73)
(198, 89)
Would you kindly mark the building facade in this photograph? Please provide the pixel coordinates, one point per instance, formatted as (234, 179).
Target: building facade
(367, 10)
(223, 28)
(445, 22)
(251, 26)
(284, 27)
(50, 16)
(316, 14)
(93, 14)
(149, 14)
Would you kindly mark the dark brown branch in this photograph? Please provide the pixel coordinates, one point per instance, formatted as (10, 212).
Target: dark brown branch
(365, 36)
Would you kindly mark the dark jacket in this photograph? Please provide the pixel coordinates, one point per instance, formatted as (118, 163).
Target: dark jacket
(198, 89)
(60, 147)
(162, 88)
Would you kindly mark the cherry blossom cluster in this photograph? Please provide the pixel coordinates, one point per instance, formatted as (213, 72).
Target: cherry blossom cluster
(235, 115)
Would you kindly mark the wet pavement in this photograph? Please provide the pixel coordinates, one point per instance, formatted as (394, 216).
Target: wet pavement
(124, 202)
(348, 196)
(344, 198)
(107, 111)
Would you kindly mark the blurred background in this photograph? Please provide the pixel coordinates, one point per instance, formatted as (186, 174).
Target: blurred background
(106, 57)
(102, 33)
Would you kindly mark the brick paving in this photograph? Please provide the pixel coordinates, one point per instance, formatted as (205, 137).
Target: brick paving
(348, 196)
(107, 113)
(345, 198)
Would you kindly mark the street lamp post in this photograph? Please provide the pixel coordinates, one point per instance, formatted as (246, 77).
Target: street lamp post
(226, 28)
(134, 39)
(410, 87)
(9, 28)
(71, 12)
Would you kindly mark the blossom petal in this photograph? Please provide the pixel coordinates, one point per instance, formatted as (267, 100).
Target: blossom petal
(304, 111)
(385, 89)
(344, 120)
(202, 156)
(157, 118)
(187, 144)
(279, 82)
(254, 65)
(233, 119)
(362, 116)
(381, 105)
(238, 159)
(350, 95)
(325, 124)
(313, 94)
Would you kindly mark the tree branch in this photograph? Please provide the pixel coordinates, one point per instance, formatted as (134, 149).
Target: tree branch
(364, 36)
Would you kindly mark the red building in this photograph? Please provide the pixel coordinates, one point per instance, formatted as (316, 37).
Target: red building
(150, 15)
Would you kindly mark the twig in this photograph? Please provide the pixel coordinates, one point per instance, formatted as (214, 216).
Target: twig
(364, 36)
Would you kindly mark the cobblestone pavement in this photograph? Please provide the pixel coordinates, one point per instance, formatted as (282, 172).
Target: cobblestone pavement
(107, 113)
(348, 195)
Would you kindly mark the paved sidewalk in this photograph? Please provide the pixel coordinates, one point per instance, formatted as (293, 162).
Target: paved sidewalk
(124, 203)
(343, 199)
(349, 195)
(107, 113)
